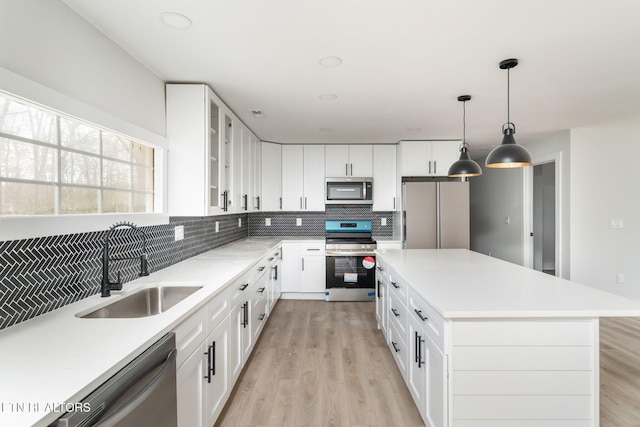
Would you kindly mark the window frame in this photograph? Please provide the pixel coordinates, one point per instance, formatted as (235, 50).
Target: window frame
(30, 226)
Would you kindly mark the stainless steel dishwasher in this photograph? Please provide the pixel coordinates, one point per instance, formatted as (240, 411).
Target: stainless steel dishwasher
(142, 394)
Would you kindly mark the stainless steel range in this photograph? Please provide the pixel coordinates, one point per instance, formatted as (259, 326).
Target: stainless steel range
(351, 261)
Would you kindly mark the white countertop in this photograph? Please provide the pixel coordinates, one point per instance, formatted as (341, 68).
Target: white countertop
(459, 283)
(59, 358)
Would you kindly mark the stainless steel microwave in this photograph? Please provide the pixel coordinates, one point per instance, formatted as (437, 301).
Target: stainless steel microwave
(349, 191)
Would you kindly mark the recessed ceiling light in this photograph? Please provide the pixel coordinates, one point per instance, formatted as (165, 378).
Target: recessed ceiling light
(328, 97)
(257, 113)
(175, 20)
(330, 61)
(325, 130)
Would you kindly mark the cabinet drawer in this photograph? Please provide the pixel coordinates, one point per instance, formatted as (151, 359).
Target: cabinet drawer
(431, 321)
(397, 315)
(399, 349)
(312, 248)
(190, 334)
(239, 290)
(259, 269)
(217, 310)
(397, 286)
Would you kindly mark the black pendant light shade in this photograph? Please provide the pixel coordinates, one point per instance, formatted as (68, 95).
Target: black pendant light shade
(465, 166)
(508, 154)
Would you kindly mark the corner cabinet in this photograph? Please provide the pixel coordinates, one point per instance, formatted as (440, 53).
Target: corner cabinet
(428, 158)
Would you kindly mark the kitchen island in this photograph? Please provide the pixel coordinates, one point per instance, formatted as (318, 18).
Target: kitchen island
(483, 342)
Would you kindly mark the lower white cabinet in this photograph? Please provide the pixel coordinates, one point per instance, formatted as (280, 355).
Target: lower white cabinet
(215, 342)
(203, 377)
(304, 269)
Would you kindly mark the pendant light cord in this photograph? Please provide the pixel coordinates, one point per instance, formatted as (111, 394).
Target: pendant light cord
(508, 97)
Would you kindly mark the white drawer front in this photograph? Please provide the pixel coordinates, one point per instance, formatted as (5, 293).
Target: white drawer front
(399, 349)
(312, 248)
(432, 322)
(397, 315)
(217, 310)
(189, 335)
(239, 290)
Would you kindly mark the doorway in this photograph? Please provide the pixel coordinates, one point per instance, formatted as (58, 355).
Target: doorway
(544, 218)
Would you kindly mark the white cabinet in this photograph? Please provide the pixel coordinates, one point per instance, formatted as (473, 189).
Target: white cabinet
(215, 375)
(245, 170)
(349, 160)
(303, 269)
(428, 158)
(302, 178)
(240, 341)
(196, 129)
(202, 377)
(271, 173)
(256, 172)
(385, 178)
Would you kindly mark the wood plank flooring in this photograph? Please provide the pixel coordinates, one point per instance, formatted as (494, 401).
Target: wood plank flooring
(321, 364)
(620, 372)
(327, 364)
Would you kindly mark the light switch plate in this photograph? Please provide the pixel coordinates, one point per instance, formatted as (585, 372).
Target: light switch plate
(267, 222)
(298, 222)
(217, 226)
(179, 232)
(239, 222)
(383, 222)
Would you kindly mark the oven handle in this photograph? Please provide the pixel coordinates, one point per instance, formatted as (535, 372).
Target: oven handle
(343, 254)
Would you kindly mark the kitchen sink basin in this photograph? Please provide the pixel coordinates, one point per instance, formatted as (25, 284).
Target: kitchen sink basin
(143, 303)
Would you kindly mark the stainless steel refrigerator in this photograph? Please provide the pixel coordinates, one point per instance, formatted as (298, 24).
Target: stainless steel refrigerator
(435, 214)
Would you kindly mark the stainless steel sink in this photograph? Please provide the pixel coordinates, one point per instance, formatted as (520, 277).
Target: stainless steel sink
(143, 303)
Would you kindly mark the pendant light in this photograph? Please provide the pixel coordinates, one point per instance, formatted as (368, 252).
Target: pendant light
(508, 154)
(465, 166)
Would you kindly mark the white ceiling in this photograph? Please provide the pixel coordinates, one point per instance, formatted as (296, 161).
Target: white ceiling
(404, 63)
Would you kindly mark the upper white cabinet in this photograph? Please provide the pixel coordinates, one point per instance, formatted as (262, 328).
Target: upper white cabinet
(246, 171)
(349, 160)
(303, 177)
(271, 173)
(197, 150)
(385, 178)
(428, 158)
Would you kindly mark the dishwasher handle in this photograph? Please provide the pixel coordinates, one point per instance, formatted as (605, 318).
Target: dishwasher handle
(138, 398)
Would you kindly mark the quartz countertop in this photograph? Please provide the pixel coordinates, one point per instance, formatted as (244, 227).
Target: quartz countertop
(59, 358)
(460, 283)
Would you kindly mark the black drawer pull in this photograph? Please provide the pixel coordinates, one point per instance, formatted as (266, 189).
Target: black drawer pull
(395, 312)
(395, 285)
(262, 316)
(243, 287)
(261, 290)
(419, 313)
(395, 347)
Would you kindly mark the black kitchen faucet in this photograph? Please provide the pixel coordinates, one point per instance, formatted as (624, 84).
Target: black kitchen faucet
(107, 286)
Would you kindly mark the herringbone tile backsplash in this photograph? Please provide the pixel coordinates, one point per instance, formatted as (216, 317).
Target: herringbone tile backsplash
(42, 274)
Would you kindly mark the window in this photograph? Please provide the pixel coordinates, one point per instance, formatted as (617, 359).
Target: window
(51, 164)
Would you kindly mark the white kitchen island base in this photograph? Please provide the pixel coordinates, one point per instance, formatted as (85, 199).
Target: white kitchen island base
(485, 343)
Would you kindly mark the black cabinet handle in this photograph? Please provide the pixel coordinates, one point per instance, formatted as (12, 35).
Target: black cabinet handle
(395, 312)
(246, 202)
(275, 272)
(262, 316)
(380, 268)
(243, 287)
(419, 341)
(419, 313)
(270, 259)
(258, 202)
(262, 268)
(379, 290)
(208, 354)
(395, 347)
(245, 315)
(395, 285)
(261, 290)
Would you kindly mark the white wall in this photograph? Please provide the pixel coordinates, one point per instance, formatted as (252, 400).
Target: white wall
(605, 185)
(46, 42)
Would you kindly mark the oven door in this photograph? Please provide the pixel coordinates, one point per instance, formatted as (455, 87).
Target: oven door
(351, 271)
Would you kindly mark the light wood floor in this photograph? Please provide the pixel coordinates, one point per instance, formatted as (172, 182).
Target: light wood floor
(620, 372)
(321, 364)
(326, 364)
